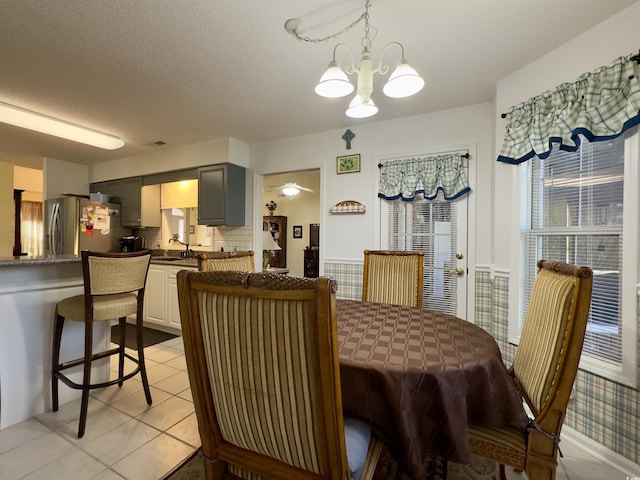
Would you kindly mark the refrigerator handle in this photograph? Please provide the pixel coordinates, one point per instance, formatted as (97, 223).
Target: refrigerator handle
(54, 229)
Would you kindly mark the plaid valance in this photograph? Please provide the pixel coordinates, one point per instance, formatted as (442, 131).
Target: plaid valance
(405, 178)
(600, 105)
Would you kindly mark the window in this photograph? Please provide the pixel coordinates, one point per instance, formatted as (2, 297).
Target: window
(582, 208)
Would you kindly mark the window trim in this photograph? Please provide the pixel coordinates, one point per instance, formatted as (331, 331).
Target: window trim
(627, 371)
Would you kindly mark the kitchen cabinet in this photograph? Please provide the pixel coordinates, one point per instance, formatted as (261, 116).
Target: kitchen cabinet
(161, 296)
(221, 195)
(150, 215)
(277, 225)
(131, 201)
(113, 188)
(140, 205)
(155, 310)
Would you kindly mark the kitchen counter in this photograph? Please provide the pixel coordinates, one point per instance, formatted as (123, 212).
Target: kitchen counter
(62, 259)
(26, 261)
(175, 261)
(30, 288)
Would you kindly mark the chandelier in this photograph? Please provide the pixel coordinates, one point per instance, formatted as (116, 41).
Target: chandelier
(334, 83)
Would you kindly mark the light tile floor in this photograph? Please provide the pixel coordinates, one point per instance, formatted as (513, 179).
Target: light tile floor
(127, 439)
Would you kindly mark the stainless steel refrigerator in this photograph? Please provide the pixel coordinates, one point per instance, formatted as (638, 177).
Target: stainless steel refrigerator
(73, 224)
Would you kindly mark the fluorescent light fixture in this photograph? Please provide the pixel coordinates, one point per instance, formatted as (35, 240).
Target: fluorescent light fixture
(58, 128)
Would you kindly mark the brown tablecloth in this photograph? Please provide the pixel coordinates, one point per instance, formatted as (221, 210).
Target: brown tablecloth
(420, 377)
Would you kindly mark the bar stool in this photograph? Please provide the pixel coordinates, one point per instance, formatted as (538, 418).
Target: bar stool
(113, 288)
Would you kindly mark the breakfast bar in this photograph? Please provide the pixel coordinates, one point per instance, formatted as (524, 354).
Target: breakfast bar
(30, 288)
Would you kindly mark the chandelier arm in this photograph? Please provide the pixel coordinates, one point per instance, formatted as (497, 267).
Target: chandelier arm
(384, 69)
(350, 68)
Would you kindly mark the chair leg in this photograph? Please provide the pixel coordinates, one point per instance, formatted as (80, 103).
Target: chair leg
(123, 334)
(55, 360)
(86, 379)
(140, 345)
(503, 473)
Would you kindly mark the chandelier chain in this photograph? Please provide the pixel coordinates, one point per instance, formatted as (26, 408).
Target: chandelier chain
(364, 16)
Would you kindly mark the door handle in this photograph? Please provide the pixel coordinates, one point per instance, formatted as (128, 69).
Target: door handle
(458, 271)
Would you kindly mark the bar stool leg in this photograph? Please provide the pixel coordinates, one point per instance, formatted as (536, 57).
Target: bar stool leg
(86, 379)
(140, 345)
(55, 360)
(123, 325)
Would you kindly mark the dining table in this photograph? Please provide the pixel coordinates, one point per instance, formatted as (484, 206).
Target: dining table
(419, 378)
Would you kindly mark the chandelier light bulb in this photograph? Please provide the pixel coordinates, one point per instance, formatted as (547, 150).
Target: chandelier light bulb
(403, 82)
(290, 191)
(361, 108)
(334, 83)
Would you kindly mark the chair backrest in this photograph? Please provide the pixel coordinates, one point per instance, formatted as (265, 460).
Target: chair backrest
(113, 273)
(547, 358)
(119, 275)
(262, 358)
(233, 261)
(393, 277)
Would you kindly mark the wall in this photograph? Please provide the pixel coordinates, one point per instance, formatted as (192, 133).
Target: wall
(343, 238)
(62, 177)
(602, 410)
(31, 181)
(6, 209)
(166, 159)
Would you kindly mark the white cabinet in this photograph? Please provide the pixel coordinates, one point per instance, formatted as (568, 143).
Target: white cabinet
(173, 309)
(155, 310)
(161, 296)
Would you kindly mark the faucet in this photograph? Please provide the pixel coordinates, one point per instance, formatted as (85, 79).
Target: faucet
(187, 253)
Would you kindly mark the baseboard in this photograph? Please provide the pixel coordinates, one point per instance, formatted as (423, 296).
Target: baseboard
(599, 451)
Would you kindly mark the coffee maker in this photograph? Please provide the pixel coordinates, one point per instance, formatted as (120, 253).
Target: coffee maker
(131, 243)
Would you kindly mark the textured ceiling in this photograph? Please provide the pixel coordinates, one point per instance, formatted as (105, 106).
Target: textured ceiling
(193, 70)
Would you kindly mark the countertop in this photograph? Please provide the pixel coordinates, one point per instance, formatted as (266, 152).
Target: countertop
(61, 259)
(31, 261)
(175, 261)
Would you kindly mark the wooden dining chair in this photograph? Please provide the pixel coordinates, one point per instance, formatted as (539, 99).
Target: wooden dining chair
(544, 369)
(392, 276)
(114, 286)
(238, 261)
(262, 359)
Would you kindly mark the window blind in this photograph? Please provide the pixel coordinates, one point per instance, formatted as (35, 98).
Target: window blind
(574, 213)
(430, 227)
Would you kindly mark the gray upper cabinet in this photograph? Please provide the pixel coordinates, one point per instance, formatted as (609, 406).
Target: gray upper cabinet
(221, 195)
(128, 192)
(113, 188)
(132, 202)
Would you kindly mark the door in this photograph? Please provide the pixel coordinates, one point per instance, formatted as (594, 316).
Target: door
(439, 229)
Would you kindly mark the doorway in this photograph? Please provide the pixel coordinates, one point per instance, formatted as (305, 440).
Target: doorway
(293, 212)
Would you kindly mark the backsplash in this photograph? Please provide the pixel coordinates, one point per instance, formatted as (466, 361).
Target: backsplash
(229, 238)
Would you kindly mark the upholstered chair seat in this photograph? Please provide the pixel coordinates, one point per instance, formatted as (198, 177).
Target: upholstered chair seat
(114, 285)
(543, 370)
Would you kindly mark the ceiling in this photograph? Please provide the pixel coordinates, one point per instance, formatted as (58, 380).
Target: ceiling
(187, 71)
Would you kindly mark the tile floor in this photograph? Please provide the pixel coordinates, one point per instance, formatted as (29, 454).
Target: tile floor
(127, 439)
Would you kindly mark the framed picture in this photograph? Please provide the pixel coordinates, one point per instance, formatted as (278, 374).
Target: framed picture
(297, 231)
(348, 164)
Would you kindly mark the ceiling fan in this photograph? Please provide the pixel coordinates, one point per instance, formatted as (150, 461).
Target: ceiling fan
(290, 189)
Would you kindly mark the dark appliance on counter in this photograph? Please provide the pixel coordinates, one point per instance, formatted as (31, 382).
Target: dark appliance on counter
(74, 223)
(131, 243)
